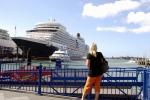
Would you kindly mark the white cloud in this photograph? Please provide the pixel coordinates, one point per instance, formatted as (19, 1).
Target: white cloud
(122, 29)
(140, 18)
(144, 1)
(119, 29)
(140, 30)
(109, 9)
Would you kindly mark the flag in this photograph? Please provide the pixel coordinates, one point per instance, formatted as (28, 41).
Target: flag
(15, 28)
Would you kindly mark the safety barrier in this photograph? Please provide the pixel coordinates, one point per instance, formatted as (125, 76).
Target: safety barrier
(117, 83)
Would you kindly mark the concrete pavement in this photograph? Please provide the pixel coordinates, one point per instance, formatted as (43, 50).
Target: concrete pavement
(12, 95)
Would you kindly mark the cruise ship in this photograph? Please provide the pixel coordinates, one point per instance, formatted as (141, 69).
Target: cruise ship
(56, 34)
(7, 46)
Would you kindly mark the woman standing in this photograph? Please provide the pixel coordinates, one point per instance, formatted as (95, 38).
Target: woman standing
(93, 62)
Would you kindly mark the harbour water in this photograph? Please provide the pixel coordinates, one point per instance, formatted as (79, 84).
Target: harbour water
(123, 63)
(117, 63)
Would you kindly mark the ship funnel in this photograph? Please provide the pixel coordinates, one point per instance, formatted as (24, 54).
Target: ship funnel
(78, 35)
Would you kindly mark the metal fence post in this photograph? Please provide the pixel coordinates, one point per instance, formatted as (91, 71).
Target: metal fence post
(145, 85)
(39, 78)
(65, 87)
(89, 95)
(0, 66)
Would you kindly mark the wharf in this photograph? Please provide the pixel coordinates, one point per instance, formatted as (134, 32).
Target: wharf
(13, 95)
(143, 61)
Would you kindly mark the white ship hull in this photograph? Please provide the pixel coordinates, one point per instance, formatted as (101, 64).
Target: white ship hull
(7, 46)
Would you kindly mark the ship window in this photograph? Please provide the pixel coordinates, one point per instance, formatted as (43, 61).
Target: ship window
(77, 44)
(53, 30)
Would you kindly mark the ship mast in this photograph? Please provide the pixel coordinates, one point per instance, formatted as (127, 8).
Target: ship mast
(52, 20)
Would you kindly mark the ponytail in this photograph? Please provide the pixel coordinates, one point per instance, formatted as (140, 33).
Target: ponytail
(93, 49)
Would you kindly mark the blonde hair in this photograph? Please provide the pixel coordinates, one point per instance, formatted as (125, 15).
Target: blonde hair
(93, 49)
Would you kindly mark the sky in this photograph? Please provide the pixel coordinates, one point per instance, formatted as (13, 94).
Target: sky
(118, 27)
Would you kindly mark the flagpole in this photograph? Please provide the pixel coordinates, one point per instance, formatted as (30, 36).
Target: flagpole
(15, 31)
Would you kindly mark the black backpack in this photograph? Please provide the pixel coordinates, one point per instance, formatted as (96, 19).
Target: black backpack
(103, 64)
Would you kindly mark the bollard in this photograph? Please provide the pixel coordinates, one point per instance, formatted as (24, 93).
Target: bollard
(39, 79)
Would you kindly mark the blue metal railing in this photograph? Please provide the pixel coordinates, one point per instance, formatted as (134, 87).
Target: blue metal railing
(124, 83)
(39, 79)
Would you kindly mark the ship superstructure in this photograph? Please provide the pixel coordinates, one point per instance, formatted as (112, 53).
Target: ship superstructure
(56, 34)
